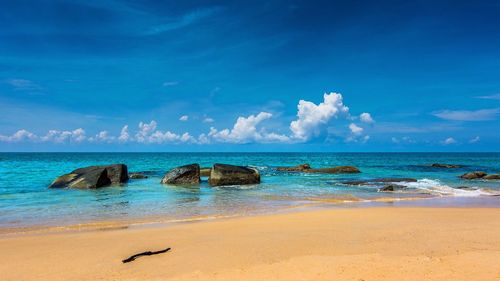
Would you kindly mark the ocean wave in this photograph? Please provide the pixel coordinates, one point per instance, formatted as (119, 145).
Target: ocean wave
(435, 187)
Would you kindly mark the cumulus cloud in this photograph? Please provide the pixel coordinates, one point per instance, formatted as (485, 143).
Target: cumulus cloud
(245, 131)
(475, 139)
(208, 120)
(356, 130)
(21, 135)
(124, 135)
(184, 118)
(57, 136)
(448, 141)
(466, 115)
(311, 117)
(366, 118)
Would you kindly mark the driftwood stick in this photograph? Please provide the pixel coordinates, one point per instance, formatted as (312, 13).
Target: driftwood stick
(148, 253)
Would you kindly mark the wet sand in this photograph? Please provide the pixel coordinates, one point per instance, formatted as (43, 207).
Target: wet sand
(377, 243)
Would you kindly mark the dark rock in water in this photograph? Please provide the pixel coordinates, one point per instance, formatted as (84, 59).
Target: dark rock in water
(473, 175)
(394, 180)
(137, 176)
(492, 177)
(465, 188)
(335, 170)
(298, 168)
(205, 172)
(188, 174)
(392, 187)
(447, 166)
(223, 174)
(381, 180)
(92, 177)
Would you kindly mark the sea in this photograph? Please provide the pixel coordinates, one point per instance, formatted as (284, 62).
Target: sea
(27, 202)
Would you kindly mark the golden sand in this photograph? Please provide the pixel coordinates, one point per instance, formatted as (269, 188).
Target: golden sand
(339, 244)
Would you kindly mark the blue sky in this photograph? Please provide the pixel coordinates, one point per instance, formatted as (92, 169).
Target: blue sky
(249, 76)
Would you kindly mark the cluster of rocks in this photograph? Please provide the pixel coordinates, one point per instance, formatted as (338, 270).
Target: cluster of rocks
(306, 168)
(390, 183)
(480, 175)
(218, 175)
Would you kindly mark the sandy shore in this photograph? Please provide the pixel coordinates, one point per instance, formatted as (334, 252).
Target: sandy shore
(340, 244)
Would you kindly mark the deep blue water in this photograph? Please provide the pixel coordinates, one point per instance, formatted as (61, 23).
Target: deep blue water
(25, 199)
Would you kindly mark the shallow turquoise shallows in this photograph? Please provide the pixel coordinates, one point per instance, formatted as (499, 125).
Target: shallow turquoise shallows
(25, 199)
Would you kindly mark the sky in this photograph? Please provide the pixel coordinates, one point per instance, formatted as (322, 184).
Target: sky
(322, 76)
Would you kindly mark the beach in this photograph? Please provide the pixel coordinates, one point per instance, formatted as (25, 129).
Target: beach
(364, 243)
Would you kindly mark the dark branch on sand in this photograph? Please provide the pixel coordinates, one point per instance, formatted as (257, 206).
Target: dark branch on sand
(148, 253)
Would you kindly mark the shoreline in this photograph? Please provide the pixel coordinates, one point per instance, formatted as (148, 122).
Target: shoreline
(312, 205)
(382, 243)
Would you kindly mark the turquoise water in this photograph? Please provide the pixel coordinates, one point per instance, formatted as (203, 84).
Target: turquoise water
(25, 199)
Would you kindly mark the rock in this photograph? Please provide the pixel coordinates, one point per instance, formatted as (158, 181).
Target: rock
(137, 176)
(188, 174)
(335, 170)
(298, 168)
(380, 180)
(492, 177)
(205, 172)
(223, 174)
(92, 177)
(473, 175)
(447, 166)
(392, 187)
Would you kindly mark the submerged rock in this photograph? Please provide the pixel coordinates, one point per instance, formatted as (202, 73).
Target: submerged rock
(187, 174)
(335, 170)
(473, 175)
(92, 177)
(205, 172)
(223, 174)
(492, 177)
(137, 176)
(298, 168)
(380, 180)
(392, 187)
(446, 166)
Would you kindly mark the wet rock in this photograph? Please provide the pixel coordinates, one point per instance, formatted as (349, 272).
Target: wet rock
(298, 168)
(473, 175)
(188, 174)
(223, 174)
(92, 177)
(380, 180)
(335, 170)
(205, 172)
(137, 176)
(446, 166)
(492, 177)
(392, 187)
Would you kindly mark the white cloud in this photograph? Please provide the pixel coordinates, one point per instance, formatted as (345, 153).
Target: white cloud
(208, 120)
(77, 135)
(170, 83)
(245, 131)
(475, 139)
(448, 141)
(490, 97)
(356, 130)
(184, 118)
(21, 135)
(310, 117)
(124, 135)
(23, 84)
(103, 136)
(366, 118)
(145, 130)
(466, 115)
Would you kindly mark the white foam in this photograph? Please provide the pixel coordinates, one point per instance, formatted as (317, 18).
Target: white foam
(437, 188)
